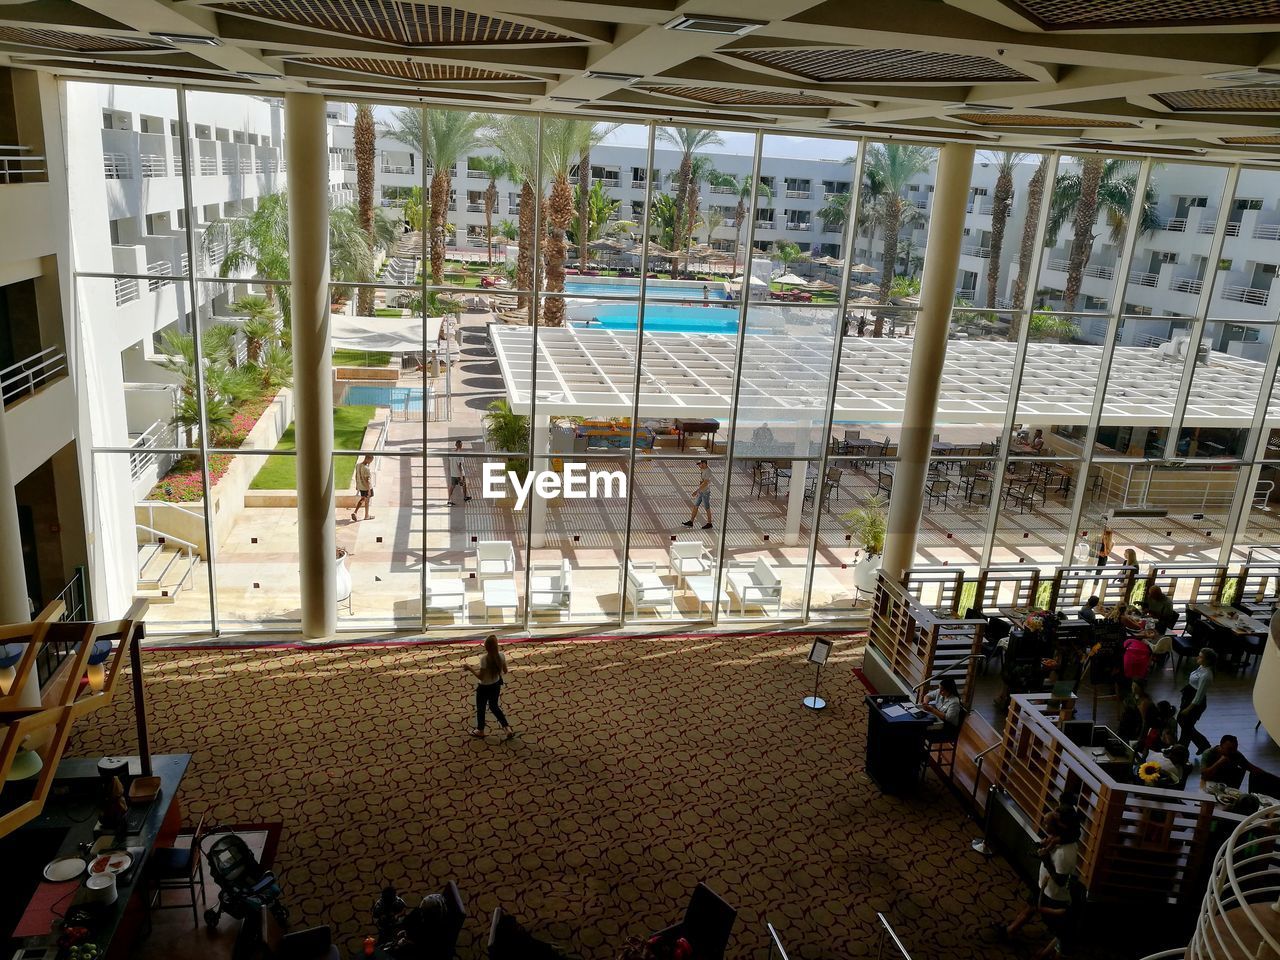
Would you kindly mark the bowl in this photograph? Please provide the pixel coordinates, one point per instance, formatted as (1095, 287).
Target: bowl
(143, 789)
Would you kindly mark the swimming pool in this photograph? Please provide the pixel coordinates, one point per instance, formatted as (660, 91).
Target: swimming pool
(663, 318)
(654, 290)
(399, 399)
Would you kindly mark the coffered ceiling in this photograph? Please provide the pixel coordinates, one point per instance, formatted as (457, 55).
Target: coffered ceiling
(1167, 77)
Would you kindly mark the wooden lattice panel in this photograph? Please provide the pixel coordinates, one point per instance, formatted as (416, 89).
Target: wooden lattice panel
(1036, 120)
(409, 69)
(79, 42)
(1187, 583)
(737, 97)
(1261, 140)
(1243, 99)
(836, 64)
(1066, 14)
(390, 21)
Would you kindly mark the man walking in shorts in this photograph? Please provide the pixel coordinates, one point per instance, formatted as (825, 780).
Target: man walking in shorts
(457, 473)
(701, 496)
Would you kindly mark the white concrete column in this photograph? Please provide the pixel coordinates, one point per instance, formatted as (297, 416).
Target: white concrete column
(539, 445)
(14, 604)
(307, 155)
(795, 501)
(929, 350)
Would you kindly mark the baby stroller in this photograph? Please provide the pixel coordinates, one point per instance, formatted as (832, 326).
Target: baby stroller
(244, 887)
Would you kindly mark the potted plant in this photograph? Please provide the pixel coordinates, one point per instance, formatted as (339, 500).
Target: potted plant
(868, 523)
(507, 432)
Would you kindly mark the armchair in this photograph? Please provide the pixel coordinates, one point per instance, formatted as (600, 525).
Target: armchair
(495, 559)
(646, 589)
(690, 558)
(756, 584)
(550, 586)
(445, 588)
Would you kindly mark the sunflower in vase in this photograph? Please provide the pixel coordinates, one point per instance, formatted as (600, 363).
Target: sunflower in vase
(1150, 773)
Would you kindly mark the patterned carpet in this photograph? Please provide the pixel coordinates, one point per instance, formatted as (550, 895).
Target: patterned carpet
(641, 767)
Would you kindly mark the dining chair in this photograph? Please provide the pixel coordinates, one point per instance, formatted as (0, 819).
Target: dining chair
(180, 868)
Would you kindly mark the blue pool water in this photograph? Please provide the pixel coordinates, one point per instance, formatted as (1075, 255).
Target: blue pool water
(653, 291)
(399, 399)
(663, 318)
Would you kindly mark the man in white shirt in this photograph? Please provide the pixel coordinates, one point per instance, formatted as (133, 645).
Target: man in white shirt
(945, 705)
(1059, 857)
(457, 473)
(701, 496)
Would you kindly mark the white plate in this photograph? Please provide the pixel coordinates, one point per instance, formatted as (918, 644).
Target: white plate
(64, 868)
(115, 862)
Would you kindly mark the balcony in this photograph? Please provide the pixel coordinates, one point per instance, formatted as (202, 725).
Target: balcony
(476, 174)
(1186, 285)
(397, 168)
(27, 376)
(982, 253)
(153, 166)
(160, 274)
(640, 185)
(920, 204)
(1267, 231)
(126, 290)
(475, 208)
(718, 188)
(764, 224)
(1246, 295)
(799, 226)
(19, 165)
(208, 166)
(1102, 273)
(229, 166)
(1144, 279)
(798, 194)
(116, 166)
(1176, 225)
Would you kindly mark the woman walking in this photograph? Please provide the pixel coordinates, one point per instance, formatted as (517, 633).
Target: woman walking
(1195, 699)
(489, 685)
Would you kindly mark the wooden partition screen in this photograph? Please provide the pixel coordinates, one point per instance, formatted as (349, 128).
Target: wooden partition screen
(1258, 583)
(1072, 586)
(937, 588)
(1012, 588)
(1137, 843)
(918, 643)
(1185, 583)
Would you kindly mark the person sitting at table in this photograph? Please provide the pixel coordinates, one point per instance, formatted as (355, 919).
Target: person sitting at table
(1162, 729)
(1136, 663)
(1131, 618)
(1173, 766)
(1160, 607)
(1037, 440)
(1226, 764)
(1089, 612)
(945, 706)
(1137, 712)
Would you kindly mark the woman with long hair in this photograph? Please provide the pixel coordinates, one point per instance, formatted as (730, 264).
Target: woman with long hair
(493, 665)
(1195, 698)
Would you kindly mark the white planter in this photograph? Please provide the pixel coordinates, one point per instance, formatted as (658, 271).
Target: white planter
(343, 578)
(865, 572)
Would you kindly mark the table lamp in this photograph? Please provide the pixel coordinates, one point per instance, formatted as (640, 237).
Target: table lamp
(26, 764)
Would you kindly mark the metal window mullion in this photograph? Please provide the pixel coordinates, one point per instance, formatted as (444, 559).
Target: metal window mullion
(1199, 321)
(851, 230)
(423, 252)
(1000, 462)
(534, 310)
(1104, 364)
(745, 293)
(636, 379)
(197, 340)
(1259, 431)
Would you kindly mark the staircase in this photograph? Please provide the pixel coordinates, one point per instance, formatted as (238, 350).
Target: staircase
(165, 566)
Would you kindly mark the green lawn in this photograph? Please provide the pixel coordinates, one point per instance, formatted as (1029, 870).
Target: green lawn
(280, 473)
(360, 358)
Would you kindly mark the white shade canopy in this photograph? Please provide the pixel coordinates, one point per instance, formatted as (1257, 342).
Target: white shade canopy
(589, 372)
(791, 280)
(384, 334)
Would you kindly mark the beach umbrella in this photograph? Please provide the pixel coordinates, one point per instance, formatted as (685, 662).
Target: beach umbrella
(865, 288)
(862, 268)
(864, 302)
(791, 280)
(819, 285)
(755, 281)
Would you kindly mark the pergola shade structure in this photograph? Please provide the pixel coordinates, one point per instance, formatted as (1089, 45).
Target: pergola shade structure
(589, 372)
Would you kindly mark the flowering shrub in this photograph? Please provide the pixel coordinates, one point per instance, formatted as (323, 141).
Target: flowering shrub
(183, 484)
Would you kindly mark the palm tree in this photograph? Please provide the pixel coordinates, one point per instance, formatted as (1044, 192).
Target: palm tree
(786, 251)
(688, 140)
(583, 199)
(1027, 249)
(662, 220)
(412, 210)
(496, 168)
(507, 229)
(1002, 205)
(742, 187)
(835, 211)
(364, 135)
(516, 140)
(1102, 186)
(443, 137)
(894, 166)
(350, 251)
(600, 206)
(563, 142)
(259, 327)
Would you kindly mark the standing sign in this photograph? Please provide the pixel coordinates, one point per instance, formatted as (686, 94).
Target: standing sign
(818, 654)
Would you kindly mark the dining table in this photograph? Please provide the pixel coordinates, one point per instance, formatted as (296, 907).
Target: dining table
(1230, 619)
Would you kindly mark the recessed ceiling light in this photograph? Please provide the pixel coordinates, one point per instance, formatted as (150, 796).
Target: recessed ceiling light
(729, 26)
(569, 99)
(612, 75)
(192, 38)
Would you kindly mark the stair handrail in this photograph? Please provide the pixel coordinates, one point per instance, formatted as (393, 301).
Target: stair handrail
(168, 538)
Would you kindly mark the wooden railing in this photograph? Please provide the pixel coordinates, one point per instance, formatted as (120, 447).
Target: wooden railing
(937, 588)
(1137, 843)
(1072, 586)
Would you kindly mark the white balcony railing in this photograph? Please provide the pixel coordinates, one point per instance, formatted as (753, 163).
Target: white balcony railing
(126, 290)
(764, 224)
(723, 189)
(475, 208)
(982, 253)
(143, 457)
(1186, 285)
(160, 274)
(116, 166)
(1144, 279)
(153, 166)
(26, 376)
(921, 204)
(208, 166)
(1267, 231)
(397, 168)
(797, 194)
(17, 163)
(229, 166)
(1233, 229)
(799, 226)
(1176, 225)
(1246, 295)
(1063, 266)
